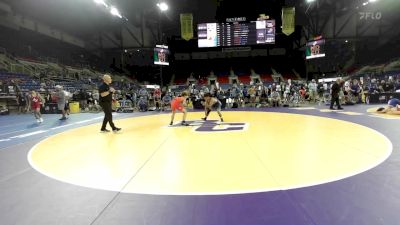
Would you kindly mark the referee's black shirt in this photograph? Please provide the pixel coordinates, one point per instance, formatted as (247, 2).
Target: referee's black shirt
(103, 88)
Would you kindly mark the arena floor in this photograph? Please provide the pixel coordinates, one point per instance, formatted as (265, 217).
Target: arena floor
(291, 166)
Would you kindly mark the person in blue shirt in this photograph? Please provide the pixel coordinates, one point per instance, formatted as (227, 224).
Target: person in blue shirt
(393, 107)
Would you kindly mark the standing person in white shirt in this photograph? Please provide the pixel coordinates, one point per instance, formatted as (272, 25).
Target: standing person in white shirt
(61, 98)
(312, 89)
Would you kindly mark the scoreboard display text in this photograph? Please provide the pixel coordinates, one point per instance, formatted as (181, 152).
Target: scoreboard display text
(236, 33)
(315, 49)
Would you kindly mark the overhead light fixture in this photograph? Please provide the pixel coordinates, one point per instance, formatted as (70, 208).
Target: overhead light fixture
(365, 3)
(346, 41)
(373, 1)
(163, 6)
(309, 1)
(114, 11)
(101, 2)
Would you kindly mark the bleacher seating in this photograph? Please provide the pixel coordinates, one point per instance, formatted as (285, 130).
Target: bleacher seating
(180, 81)
(288, 76)
(203, 81)
(266, 78)
(28, 83)
(223, 79)
(245, 79)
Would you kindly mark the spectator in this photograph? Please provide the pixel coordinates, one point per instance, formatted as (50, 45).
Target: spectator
(2, 87)
(28, 99)
(275, 98)
(355, 89)
(252, 93)
(335, 89)
(21, 102)
(16, 87)
(397, 89)
(388, 87)
(142, 104)
(83, 99)
(320, 90)
(68, 96)
(157, 98)
(47, 96)
(312, 90)
(166, 101)
(61, 101)
(95, 95)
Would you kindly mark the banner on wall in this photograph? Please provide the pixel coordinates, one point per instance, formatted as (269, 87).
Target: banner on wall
(288, 21)
(187, 26)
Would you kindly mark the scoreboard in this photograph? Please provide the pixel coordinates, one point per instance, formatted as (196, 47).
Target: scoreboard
(315, 49)
(160, 55)
(236, 33)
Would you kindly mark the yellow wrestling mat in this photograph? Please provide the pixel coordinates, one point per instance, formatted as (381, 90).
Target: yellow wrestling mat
(382, 115)
(251, 152)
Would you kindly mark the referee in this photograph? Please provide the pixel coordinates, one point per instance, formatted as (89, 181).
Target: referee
(105, 100)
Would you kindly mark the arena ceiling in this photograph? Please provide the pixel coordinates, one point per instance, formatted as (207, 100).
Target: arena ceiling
(78, 17)
(84, 17)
